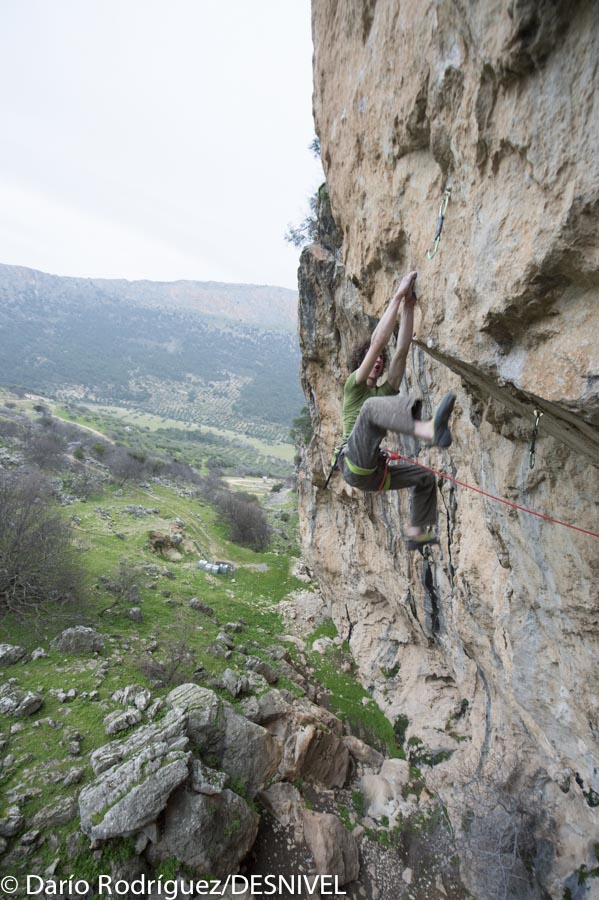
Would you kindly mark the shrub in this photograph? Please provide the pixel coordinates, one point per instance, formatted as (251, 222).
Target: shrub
(126, 583)
(39, 566)
(175, 668)
(246, 519)
(126, 465)
(45, 448)
(500, 839)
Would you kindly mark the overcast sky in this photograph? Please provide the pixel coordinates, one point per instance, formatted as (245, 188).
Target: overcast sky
(159, 139)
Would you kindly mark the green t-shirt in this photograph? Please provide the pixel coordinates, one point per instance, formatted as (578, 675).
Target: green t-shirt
(354, 397)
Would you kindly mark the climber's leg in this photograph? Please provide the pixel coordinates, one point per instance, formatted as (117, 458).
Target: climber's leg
(378, 416)
(423, 495)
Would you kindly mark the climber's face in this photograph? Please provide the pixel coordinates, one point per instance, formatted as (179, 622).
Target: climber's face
(376, 371)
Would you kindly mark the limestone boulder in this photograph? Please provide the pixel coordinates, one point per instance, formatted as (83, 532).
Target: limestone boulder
(362, 753)
(209, 833)
(267, 708)
(268, 672)
(11, 822)
(19, 703)
(167, 734)
(285, 804)
(205, 780)
(10, 654)
(317, 755)
(244, 750)
(128, 796)
(120, 720)
(78, 640)
(133, 695)
(334, 850)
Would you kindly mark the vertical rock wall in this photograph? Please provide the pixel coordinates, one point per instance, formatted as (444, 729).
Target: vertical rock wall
(488, 649)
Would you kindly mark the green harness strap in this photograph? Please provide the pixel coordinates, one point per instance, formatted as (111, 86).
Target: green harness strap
(357, 470)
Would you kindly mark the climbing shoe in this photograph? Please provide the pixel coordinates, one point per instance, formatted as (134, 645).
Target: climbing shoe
(422, 540)
(442, 434)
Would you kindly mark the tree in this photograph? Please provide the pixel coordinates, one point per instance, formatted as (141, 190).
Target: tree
(39, 566)
(301, 428)
(46, 448)
(301, 432)
(307, 230)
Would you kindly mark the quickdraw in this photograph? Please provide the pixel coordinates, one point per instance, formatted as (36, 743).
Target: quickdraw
(334, 464)
(442, 210)
(533, 442)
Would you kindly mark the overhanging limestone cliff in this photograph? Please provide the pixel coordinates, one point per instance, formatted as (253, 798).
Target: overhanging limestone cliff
(490, 649)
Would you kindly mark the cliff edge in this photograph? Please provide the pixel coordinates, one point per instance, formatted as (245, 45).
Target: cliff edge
(484, 651)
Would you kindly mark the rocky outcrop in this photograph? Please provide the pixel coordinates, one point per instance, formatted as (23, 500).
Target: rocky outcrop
(208, 833)
(132, 792)
(79, 639)
(483, 653)
(334, 850)
(10, 654)
(244, 750)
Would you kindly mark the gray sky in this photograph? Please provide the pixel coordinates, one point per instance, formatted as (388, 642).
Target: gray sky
(157, 139)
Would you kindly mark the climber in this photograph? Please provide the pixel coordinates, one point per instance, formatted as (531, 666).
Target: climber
(370, 411)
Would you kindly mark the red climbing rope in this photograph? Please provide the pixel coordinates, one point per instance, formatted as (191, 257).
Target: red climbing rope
(391, 456)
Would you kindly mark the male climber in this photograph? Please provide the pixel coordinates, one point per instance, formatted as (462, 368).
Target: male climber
(369, 412)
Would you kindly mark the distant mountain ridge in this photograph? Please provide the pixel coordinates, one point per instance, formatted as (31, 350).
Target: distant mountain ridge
(263, 306)
(203, 352)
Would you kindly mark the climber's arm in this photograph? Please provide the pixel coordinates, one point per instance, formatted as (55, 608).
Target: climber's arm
(384, 329)
(397, 365)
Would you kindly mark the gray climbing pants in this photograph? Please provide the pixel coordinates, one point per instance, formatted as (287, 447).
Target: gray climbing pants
(362, 452)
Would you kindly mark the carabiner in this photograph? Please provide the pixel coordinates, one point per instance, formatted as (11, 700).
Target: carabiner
(442, 210)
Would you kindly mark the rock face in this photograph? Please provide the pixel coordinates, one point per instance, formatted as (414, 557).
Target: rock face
(485, 652)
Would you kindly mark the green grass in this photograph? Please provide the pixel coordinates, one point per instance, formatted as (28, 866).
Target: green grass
(347, 695)
(251, 596)
(156, 435)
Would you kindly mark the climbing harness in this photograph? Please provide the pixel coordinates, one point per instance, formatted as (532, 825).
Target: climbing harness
(398, 456)
(442, 210)
(535, 431)
(386, 479)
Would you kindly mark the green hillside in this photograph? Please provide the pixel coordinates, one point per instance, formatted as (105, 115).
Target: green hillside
(219, 355)
(162, 620)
